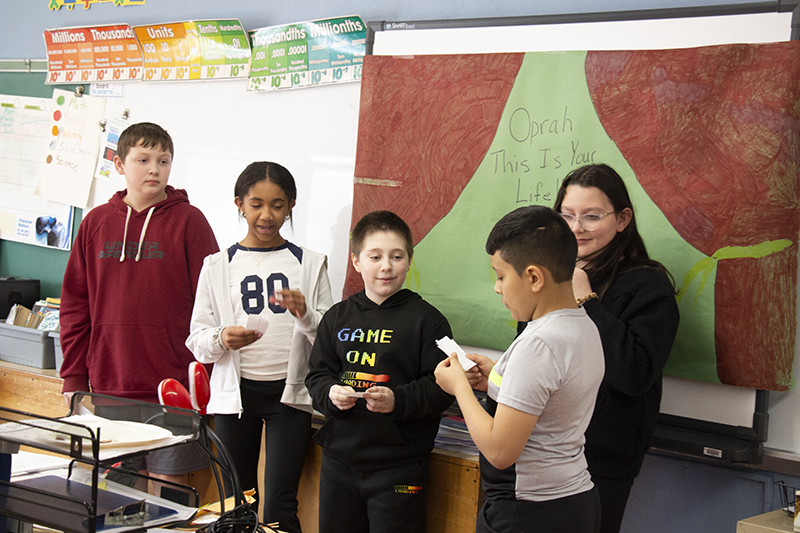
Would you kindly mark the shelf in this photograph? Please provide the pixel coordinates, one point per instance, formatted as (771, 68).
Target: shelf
(85, 443)
(45, 509)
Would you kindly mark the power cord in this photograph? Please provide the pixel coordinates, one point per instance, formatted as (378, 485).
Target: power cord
(241, 519)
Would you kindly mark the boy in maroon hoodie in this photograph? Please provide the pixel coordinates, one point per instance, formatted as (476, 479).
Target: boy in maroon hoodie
(129, 288)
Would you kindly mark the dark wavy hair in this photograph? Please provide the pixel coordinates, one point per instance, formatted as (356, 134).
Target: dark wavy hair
(603, 266)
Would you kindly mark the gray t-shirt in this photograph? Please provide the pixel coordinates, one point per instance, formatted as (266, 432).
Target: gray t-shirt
(552, 370)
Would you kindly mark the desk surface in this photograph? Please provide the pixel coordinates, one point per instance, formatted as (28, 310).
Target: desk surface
(775, 522)
(50, 372)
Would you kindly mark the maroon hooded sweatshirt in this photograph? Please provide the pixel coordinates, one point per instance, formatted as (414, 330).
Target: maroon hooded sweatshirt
(125, 309)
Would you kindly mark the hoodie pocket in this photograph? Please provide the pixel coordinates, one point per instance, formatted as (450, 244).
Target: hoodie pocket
(132, 359)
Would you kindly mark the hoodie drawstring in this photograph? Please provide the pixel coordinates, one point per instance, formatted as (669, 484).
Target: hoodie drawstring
(141, 237)
(144, 230)
(125, 235)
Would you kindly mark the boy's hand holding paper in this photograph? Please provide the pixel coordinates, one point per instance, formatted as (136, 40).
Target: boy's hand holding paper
(448, 346)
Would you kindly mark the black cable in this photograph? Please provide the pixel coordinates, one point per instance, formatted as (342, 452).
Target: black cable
(231, 467)
(241, 519)
(204, 429)
(202, 441)
(226, 465)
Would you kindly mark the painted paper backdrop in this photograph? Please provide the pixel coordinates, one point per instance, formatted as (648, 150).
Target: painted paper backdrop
(706, 140)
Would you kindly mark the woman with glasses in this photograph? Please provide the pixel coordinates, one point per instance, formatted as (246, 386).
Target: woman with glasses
(631, 300)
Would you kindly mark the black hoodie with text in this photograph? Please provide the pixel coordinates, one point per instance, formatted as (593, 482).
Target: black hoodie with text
(362, 344)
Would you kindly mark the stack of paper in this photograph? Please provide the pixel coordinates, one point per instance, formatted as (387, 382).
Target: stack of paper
(454, 436)
(117, 437)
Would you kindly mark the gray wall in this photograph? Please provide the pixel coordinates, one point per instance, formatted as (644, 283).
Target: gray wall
(22, 22)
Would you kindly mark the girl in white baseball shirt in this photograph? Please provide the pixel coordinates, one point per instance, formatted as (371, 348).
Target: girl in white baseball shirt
(255, 317)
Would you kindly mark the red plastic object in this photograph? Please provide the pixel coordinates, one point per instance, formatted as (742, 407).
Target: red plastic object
(199, 387)
(173, 394)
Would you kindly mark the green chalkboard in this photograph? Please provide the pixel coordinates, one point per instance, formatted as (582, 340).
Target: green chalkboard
(25, 260)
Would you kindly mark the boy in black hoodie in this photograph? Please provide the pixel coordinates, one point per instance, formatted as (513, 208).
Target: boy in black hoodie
(371, 375)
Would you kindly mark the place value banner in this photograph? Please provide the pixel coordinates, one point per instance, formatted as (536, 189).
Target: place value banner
(92, 54)
(306, 54)
(194, 50)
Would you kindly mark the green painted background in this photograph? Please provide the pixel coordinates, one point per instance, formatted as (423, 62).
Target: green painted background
(548, 128)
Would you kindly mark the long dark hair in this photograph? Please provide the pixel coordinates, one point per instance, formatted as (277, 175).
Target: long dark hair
(603, 266)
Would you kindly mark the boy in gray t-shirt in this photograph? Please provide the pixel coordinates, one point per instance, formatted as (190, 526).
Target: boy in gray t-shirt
(541, 391)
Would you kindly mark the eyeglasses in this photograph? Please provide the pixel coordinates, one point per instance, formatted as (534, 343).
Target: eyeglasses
(589, 221)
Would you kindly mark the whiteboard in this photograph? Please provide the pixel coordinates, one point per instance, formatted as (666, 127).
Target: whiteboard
(218, 128)
(722, 404)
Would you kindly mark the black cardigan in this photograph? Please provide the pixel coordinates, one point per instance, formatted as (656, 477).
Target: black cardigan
(637, 319)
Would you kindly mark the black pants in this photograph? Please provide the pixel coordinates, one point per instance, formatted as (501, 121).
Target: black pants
(287, 435)
(613, 499)
(573, 514)
(353, 499)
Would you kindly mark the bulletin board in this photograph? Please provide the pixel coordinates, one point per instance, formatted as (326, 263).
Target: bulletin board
(34, 262)
(743, 411)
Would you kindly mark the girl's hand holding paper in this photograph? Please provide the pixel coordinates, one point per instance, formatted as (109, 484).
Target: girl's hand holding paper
(235, 337)
(294, 301)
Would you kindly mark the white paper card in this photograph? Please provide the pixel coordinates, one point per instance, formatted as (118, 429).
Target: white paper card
(258, 323)
(448, 346)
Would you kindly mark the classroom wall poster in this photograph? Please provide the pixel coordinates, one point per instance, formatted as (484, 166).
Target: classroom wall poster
(92, 54)
(115, 123)
(705, 138)
(107, 180)
(55, 5)
(306, 54)
(71, 154)
(24, 136)
(194, 50)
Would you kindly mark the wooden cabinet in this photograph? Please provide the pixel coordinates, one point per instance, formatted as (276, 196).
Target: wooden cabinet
(454, 492)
